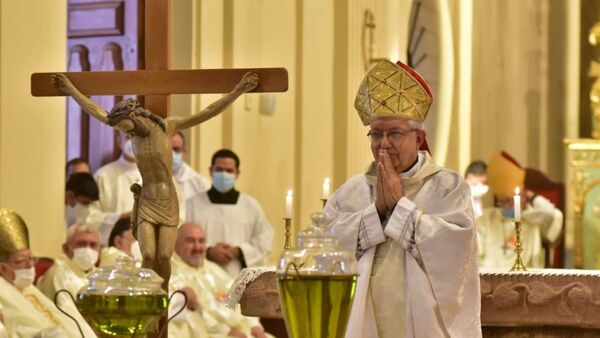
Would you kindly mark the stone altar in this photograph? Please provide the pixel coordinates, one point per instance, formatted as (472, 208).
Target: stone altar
(534, 303)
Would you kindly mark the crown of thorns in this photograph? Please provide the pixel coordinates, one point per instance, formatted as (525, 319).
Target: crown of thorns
(122, 109)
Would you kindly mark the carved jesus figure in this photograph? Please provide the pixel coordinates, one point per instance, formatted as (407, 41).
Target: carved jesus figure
(155, 213)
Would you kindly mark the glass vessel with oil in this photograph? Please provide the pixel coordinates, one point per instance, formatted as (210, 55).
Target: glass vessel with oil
(316, 283)
(122, 300)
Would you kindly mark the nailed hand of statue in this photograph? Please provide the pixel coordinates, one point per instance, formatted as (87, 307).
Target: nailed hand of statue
(248, 82)
(61, 81)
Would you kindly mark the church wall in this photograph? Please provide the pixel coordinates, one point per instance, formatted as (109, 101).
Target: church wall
(319, 47)
(32, 130)
(523, 81)
(264, 36)
(500, 72)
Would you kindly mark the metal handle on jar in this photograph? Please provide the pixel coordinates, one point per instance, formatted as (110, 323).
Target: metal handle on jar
(287, 268)
(178, 311)
(63, 311)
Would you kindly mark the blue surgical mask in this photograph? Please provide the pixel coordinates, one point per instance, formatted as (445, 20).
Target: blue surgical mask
(223, 181)
(177, 159)
(508, 212)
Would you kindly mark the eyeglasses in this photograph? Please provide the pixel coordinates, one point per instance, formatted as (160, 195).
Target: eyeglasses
(395, 135)
(24, 261)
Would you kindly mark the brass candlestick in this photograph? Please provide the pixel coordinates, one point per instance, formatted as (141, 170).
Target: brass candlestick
(518, 266)
(288, 233)
(324, 201)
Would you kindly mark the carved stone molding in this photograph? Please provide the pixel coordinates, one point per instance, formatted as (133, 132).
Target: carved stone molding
(541, 297)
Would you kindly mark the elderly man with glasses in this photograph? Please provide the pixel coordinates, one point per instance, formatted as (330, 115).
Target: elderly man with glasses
(409, 221)
(80, 255)
(26, 312)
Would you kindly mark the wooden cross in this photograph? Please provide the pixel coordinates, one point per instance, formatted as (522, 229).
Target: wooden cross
(156, 82)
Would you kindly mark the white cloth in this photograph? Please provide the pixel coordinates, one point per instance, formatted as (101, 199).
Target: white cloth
(28, 313)
(63, 274)
(243, 224)
(539, 221)
(210, 284)
(431, 231)
(190, 183)
(114, 182)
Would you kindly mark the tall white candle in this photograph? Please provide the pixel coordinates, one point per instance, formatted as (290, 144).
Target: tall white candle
(517, 204)
(288, 204)
(326, 188)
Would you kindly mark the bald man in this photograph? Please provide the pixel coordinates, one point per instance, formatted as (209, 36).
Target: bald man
(206, 283)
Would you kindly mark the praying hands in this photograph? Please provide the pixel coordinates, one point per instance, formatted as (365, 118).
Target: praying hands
(389, 185)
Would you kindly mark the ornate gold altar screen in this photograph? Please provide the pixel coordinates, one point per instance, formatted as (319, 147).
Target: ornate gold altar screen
(583, 207)
(583, 180)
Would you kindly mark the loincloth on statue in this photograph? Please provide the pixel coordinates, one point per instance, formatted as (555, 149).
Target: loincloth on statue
(163, 212)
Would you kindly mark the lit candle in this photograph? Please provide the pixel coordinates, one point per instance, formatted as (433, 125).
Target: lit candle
(288, 204)
(326, 188)
(517, 205)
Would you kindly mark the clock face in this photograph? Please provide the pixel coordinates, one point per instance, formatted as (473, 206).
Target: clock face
(430, 53)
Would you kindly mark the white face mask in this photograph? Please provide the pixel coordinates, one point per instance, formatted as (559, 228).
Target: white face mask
(75, 214)
(24, 277)
(85, 258)
(479, 190)
(127, 149)
(177, 159)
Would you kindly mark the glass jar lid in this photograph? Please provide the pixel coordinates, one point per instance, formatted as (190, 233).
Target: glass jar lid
(124, 279)
(318, 253)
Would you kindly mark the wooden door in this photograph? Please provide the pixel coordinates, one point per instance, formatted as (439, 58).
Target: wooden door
(102, 35)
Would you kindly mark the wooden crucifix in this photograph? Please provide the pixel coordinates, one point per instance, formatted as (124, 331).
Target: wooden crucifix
(155, 213)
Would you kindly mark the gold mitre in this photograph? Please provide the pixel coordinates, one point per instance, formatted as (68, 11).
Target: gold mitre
(14, 235)
(391, 89)
(504, 174)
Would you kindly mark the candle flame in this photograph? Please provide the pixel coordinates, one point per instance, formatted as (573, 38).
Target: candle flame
(290, 193)
(517, 191)
(326, 180)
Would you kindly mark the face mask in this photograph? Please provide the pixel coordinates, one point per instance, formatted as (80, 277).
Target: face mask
(177, 159)
(75, 214)
(85, 258)
(508, 213)
(479, 190)
(127, 149)
(24, 277)
(223, 181)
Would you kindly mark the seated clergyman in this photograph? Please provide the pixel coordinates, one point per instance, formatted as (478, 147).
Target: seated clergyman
(206, 284)
(540, 219)
(26, 312)
(119, 243)
(69, 271)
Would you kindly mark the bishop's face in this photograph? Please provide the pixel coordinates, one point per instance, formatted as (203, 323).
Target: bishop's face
(395, 136)
(19, 260)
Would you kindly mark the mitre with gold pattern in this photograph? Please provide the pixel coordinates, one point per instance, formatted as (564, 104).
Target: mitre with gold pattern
(14, 235)
(391, 89)
(504, 174)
